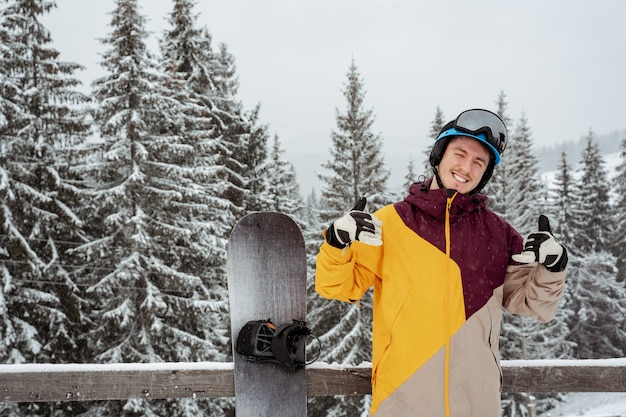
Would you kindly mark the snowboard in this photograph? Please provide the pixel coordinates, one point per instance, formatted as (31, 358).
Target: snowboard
(266, 268)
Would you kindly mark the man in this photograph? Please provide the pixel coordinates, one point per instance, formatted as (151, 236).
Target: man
(441, 271)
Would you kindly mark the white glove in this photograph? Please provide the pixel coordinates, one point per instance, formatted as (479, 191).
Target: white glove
(355, 225)
(542, 247)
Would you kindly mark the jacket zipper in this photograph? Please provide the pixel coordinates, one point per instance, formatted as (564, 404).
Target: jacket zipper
(446, 377)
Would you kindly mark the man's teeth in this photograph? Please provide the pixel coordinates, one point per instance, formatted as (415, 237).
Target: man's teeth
(459, 179)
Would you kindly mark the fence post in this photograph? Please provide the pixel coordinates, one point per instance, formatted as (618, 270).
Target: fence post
(532, 406)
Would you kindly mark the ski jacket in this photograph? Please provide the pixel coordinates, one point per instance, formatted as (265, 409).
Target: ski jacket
(440, 279)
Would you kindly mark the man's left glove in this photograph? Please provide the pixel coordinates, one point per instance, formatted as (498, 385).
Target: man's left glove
(542, 247)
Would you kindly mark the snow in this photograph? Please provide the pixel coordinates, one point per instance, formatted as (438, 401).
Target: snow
(566, 362)
(601, 404)
(116, 367)
(214, 366)
(338, 366)
(611, 162)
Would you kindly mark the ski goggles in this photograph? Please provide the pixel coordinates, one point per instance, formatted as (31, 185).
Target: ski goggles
(476, 121)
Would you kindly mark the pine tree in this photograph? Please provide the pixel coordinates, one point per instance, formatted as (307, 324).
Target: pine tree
(435, 127)
(355, 158)
(561, 202)
(522, 212)
(281, 191)
(41, 117)
(188, 53)
(190, 56)
(237, 146)
(497, 187)
(356, 167)
(253, 157)
(410, 176)
(598, 326)
(313, 238)
(591, 210)
(230, 142)
(245, 140)
(525, 190)
(150, 238)
(618, 242)
(318, 308)
(521, 337)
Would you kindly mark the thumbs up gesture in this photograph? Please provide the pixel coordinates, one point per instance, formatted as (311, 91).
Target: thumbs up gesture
(357, 224)
(542, 247)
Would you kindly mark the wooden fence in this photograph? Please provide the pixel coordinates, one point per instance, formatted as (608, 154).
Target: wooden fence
(89, 382)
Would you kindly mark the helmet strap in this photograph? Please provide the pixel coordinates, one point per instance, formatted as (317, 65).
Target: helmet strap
(438, 178)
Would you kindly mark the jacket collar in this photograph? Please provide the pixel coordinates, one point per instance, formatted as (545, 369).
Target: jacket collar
(433, 202)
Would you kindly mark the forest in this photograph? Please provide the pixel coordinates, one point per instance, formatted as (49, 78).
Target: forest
(114, 250)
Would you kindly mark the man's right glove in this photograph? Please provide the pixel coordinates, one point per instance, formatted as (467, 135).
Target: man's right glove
(542, 247)
(355, 225)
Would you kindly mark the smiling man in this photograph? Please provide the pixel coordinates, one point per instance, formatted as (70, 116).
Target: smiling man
(441, 271)
(463, 165)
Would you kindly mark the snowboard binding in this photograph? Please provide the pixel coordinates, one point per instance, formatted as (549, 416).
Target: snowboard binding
(262, 341)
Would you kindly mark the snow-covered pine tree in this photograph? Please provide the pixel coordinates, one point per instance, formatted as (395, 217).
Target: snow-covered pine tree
(317, 307)
(12, 332)
(410, 176)
(252, 157)
(188, 53)
(313, 239)
(525, 191)
(225, 77)
(356, 169)
(521, 337)
(591, 209)
(151, 300)
(618, 242)
(435, 128)
(245, 140)
(40, 304)
(561, 201)
(281, 191)
(598, 300)
(239, 141)
(497, 187)
(598, 326)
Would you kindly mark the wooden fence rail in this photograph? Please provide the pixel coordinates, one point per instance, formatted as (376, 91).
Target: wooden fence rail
(89, 382)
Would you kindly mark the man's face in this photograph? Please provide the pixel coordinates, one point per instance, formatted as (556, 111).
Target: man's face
(463, 164)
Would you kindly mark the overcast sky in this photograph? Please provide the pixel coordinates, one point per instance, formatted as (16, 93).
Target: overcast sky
(561, 63)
